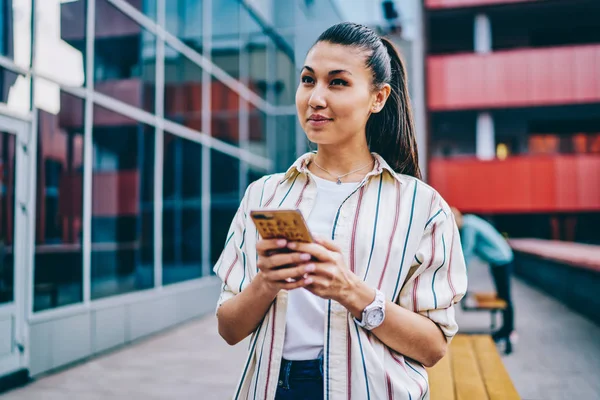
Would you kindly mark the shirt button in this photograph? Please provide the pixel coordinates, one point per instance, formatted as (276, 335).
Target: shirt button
(280, 383)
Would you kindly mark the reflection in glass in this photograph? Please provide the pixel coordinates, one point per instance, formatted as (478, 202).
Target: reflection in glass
(258, 132)
(257, 64)
(59, 48)
(255, 173)
(58, 260)
(148, 7)
(225, 198)
(183, 90)
(184, 20)
(285, 141)
(15, 31)
(225, 104)
(7, 216)
(226, 36)
(286, 79)
(182, 210)
(15, 91)
(124, 58)
(122, 205)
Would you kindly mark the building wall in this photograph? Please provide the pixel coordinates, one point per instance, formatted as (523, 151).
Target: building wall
(149, 120)
(519, 76)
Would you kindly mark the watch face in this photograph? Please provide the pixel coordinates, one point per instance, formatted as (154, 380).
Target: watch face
(375, 317)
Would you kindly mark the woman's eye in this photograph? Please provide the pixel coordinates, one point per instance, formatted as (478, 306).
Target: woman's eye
(307, 79)
(339, 82)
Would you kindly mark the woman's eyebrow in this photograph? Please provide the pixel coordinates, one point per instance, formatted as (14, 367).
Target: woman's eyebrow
(332, 72)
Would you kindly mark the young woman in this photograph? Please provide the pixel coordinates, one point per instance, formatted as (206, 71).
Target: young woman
(377, 305)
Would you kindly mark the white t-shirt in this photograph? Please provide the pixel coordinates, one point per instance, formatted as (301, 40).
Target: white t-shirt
(305, 319)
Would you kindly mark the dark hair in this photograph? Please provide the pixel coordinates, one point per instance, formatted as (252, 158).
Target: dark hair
(391, 132)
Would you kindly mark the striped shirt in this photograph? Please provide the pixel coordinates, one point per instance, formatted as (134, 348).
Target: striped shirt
(398, 235)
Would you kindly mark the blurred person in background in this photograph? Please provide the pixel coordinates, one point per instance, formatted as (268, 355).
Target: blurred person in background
(360, 315)
(479, 238)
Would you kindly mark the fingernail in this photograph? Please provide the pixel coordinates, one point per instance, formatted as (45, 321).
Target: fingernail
(292, 245)
(281, 242)
(309, 268)
(308, 281)
(305, 257)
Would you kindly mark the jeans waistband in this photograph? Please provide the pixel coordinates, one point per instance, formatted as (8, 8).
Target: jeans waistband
(299, 370)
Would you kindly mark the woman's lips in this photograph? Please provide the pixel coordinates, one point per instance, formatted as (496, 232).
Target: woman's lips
(318, 122)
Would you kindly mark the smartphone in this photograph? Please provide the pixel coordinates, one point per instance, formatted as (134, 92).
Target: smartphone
(281, 224)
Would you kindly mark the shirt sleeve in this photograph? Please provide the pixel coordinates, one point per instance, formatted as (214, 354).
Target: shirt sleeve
(232, 265)
(438, 278)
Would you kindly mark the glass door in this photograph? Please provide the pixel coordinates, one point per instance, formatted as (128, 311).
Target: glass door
(14, 199)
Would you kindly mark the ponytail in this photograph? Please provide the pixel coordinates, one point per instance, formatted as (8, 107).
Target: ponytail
(390, 132)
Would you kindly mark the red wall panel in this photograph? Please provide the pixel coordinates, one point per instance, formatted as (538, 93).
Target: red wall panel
(516, 78)
(114, 194)
(519, 184)
(467, 3)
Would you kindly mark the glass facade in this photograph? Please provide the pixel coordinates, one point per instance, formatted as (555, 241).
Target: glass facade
(7, 219)
(58, 260)
(142, 152)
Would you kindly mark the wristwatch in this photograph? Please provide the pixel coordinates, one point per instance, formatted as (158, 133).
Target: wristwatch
(374, 314)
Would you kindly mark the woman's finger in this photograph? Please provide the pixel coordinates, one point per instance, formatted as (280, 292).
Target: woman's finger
(283, 259)
(263, 246)
(317, 284)
(301, 282)
(328, 244)
(290, 272)
(314, 249)
(323, 270)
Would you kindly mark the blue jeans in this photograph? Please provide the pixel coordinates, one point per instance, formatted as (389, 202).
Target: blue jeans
(300, 380)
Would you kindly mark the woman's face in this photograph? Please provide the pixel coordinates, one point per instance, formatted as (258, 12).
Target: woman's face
(335, 98)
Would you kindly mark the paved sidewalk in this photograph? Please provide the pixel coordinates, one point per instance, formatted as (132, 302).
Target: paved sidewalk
(557, 357)
(189, 362)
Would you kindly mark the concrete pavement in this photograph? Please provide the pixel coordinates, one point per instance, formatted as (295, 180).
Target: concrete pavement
(188, 362)
(557, 357)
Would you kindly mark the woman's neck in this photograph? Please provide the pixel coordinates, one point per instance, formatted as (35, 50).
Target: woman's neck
(333, 162)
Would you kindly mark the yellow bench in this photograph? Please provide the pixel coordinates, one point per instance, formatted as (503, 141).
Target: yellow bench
(484, 301)
(471, 370)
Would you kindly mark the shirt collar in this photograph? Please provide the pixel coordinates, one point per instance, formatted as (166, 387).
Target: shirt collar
(300, 166)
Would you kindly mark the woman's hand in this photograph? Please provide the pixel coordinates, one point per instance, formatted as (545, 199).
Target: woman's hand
(329, 277)
(280, 269)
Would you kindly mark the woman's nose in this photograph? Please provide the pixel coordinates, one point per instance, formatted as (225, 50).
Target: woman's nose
(317, 98)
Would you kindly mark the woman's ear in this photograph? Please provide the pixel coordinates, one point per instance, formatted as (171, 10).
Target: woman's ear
(380, 98)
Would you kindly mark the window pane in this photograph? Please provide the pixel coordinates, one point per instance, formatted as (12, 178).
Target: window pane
(226, 36)
(225, 198)
(257, 64)
(183, 90)
(15, 31)
(58, 278)
(122, 205)
(148, 7)
(285, 141)
(182, 210)
(255, 43)
(287, 79)
(7, 216)
(225, 105)
(184, 20)
(15, 91)
(60, 35)
(124, 58)
(258, 132)
(255, 173)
